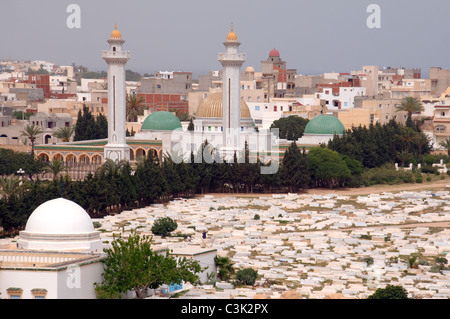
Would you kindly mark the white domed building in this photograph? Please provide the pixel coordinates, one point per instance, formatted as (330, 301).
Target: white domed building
(60, 225)
(58, 255)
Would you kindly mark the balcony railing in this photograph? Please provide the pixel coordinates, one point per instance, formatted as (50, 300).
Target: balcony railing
(231, 57)
(116, 55)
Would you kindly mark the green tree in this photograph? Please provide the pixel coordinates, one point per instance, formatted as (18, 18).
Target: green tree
(327, 168)
(225, 267)
(151, 183)
(163, 226)
(390, 292)
(64, 133)
(291, 127)
(88, 127)
(403, 157)
(135, 107)
(422, 142)
(294, 169)
(85, 125)
(9, 185)
(101, 127)
(32, 131)
(56, 167)
(410, 105)
(247, 276)
(446, 144)
(132, 265)
(191, 126)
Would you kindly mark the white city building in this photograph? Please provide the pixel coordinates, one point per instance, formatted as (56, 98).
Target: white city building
(58, 255)
(344, 99)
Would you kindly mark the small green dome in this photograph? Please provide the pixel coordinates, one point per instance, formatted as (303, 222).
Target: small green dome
(324, 124)
(161, 121)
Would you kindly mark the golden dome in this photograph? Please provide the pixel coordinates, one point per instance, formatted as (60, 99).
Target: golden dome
(212, 107)
(232, 36)
(250, 69)
(116, 33)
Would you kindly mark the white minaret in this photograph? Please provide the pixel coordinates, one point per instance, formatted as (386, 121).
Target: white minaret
(117, 148)
(231, 62)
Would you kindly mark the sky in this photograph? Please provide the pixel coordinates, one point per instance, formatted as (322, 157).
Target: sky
(312, 36)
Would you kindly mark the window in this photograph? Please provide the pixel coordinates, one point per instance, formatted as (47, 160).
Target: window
(442, 113)
(256, 107)
(39, 293)
(14, 293)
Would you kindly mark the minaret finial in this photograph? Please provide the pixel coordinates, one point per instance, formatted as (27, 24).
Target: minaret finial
(232, 28)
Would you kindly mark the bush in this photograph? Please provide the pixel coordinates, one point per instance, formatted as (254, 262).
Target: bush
(390, 292)
(163, 226)
(428, 169)
(387, 174)
(247, 276)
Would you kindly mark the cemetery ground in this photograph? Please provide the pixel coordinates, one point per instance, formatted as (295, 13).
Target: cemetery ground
(317, 244)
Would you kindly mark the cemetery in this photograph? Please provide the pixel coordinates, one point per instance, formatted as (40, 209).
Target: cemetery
(307, 246)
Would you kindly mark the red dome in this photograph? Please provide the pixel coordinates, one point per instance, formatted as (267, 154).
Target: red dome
(274, 53)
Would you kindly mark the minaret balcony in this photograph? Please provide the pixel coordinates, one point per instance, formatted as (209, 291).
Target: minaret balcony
(230, 57)
(117, 56)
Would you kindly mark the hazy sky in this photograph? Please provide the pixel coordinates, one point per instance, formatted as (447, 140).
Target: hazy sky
(313, 36)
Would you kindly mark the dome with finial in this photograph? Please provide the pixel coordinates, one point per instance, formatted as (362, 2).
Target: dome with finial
(116, 34)
(232, 36)
(274, 53)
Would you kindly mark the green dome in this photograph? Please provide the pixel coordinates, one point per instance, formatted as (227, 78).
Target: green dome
(324, 124)
(161, 121)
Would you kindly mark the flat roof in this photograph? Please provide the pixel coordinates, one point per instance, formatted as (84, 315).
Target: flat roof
(18, 259)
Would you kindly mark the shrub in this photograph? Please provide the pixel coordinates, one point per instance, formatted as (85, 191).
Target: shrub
(386, 174)
(390, 292)
(428, 169)
(256, 217)
(163, 226)
(247, 276)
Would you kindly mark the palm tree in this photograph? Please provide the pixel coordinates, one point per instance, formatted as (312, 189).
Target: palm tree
(225, 267)
(65, 133)
(55, 167)
(111, 167)
(135, 107)
(446, 144)
(404, 156)
(9, 185)
(420, 139)
(32, 131)
(407, 135)
(410, 105)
